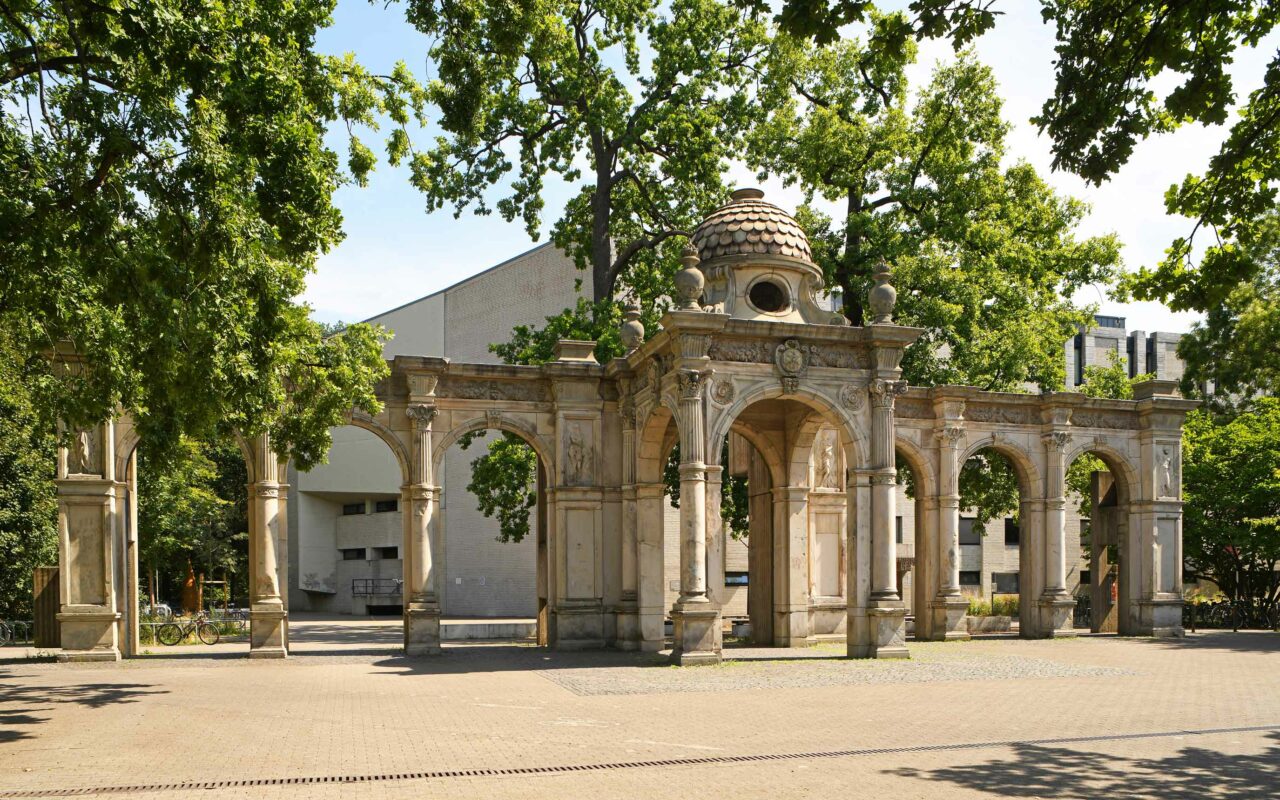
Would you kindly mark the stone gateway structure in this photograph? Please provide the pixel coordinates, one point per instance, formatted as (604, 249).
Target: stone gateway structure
(749, 376)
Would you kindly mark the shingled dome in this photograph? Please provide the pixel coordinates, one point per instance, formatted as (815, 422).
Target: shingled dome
(747, 225)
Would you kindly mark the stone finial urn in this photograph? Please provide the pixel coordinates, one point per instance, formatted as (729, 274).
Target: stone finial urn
(690, 281)
(631, 330)
(882, 297)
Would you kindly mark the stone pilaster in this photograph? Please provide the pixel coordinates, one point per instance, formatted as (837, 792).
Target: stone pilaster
(629, 634)
(267, 615)
(696, 618)
(1055, 603)
(888, 614)
(421, 514)
(947, 607)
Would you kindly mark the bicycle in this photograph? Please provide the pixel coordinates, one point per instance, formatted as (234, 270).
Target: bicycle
(171, 633)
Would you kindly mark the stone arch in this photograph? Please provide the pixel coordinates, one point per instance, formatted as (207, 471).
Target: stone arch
(772, 458)
(851, 435)
(921, 464)
(654, 440)
(390, 438)
(1119, 464)
(503, 422)
(1025, 464)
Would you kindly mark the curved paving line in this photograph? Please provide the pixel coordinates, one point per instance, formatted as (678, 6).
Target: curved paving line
(607, 766)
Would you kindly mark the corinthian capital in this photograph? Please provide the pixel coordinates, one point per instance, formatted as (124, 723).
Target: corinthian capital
(1056, 440)
(883, 392)
(422, 414)
(691, 383)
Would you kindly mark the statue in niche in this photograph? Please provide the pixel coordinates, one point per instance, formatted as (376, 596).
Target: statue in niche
(575, 455)
(825, 468)
(1167, 472)
(82, 456)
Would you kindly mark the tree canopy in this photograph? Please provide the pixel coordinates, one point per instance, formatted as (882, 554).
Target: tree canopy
(641, 102)
(1231, 494)
(166, 189)
(985, 257)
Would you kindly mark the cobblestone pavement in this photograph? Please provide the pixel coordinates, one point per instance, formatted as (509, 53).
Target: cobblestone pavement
(1085, 718)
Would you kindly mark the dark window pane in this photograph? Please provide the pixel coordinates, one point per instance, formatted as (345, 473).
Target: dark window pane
(386, 552)
(349, 509)
(1012, 533)
(968, 534)
(735, 579)
(1005, 582)
(385, 505)
(352, 553)
(899, 530)
(968, 578)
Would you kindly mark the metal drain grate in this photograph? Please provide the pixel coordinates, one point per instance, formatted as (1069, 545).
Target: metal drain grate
(185, 786)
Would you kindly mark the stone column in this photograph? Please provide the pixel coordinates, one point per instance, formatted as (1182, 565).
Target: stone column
(715, 535)
(266, 608)
(628, 635)
(861, 630)
(421, 512)
(948, 606)
(1056, 604)
(88, 557)
(760, 544)
(887, 610)
(791, 567)
(696, 618)
(650, 581)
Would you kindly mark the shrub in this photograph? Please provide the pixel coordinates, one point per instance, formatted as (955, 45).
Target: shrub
(1005, 605)
(979, 607)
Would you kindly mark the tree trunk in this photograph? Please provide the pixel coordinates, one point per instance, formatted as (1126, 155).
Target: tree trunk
(850, 267)
(601, 242)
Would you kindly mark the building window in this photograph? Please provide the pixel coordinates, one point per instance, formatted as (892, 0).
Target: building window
(1005, 582)
(386, 552)
(968, 533)
(970, 578)
(1012, 533)
(382, 506)
(352, 553)
(899, 529)
(351, 509)
(735, 579)
(1085, 578)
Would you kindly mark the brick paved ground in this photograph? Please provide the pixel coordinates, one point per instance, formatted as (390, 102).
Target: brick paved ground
(347, 706)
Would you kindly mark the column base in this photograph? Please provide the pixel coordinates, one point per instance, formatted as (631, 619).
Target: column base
(888, 620)
(628, 633)
(1056, 617)
(422, 630)
(698, 637)
(948, 619)
(1161, 617)
(578, 627)
(267, 630)
(791, 628)
(88, 634)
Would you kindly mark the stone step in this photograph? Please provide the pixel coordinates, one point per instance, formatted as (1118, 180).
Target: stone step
(488, 630)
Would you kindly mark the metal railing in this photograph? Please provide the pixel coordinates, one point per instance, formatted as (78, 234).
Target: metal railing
(368, 587)
(16, 631)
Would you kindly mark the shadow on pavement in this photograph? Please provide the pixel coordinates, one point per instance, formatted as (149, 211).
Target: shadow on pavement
(1059, 772)
(19, 703)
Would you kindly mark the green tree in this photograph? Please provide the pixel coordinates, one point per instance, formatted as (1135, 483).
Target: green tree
(28, 507)
(1234, 346)
(193, 510)
(165, 191)
(645, 103)
(1231, 516)
(985, 258)
(1108, 381)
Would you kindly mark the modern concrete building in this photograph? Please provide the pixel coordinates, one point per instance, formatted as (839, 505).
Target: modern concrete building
(347, 527)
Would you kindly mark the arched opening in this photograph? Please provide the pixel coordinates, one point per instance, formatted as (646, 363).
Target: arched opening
(492, 533)
(346, 552)
(915, 532)
(1099, 490)
(1000, 532)
(183, 553)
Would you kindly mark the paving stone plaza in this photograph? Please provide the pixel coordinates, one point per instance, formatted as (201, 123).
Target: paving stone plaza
(348, 716)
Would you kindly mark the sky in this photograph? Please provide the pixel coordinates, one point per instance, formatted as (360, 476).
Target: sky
(395, 252)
